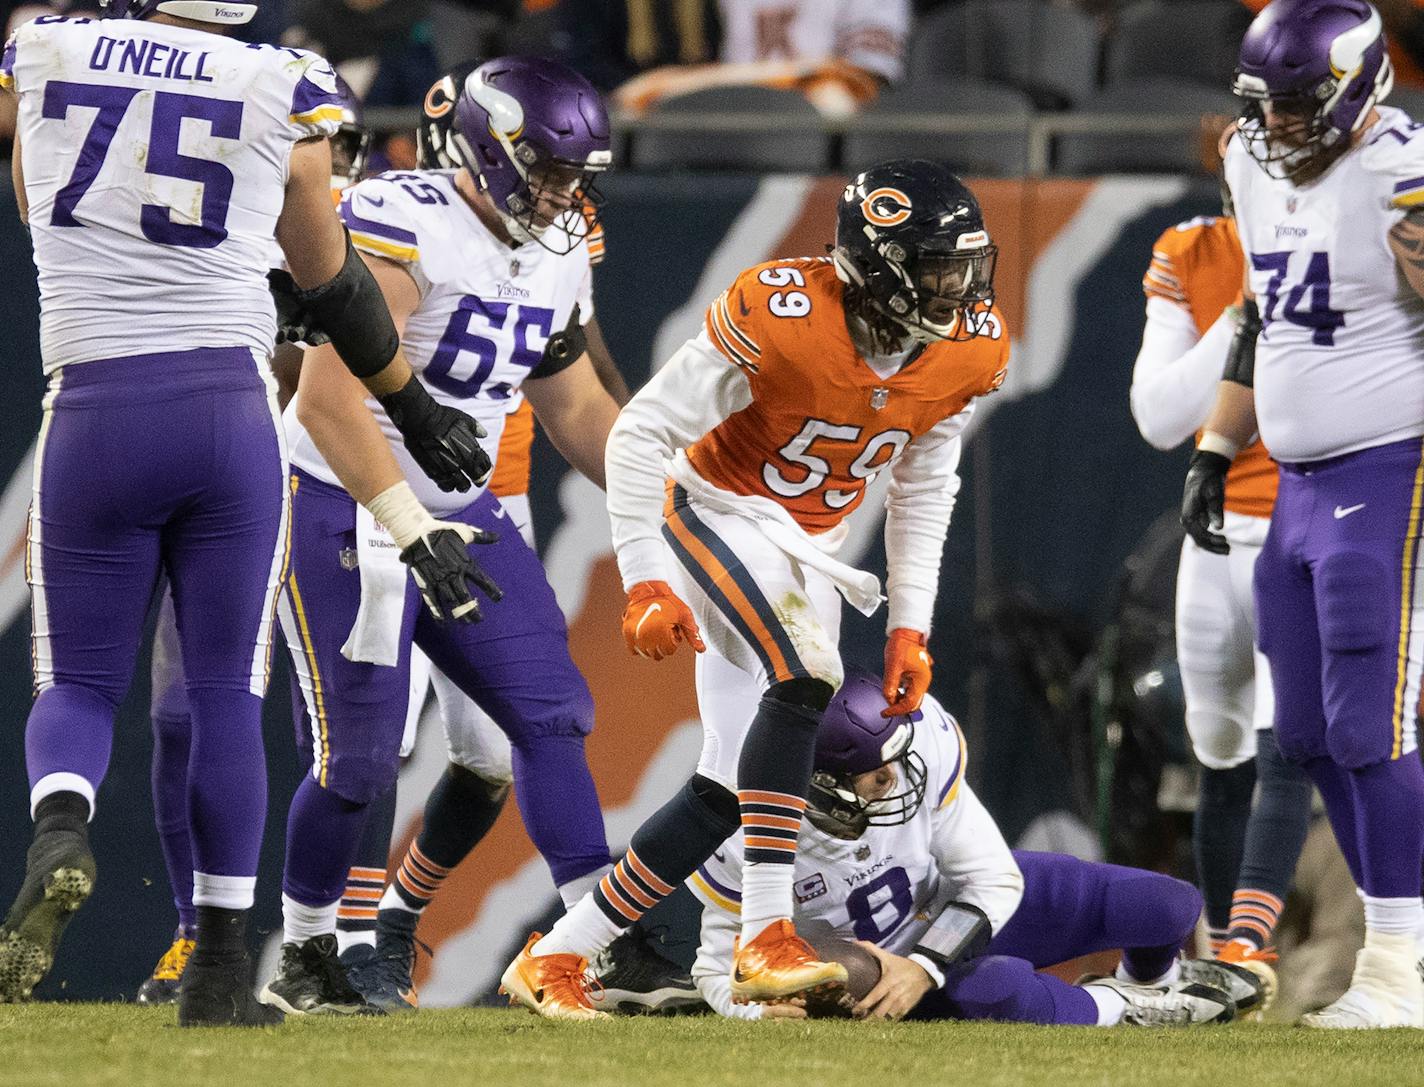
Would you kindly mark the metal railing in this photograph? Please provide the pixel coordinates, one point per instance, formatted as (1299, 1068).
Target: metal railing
(1039, 130)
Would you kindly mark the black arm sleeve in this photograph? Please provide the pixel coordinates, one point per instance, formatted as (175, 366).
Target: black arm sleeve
(351, 310)
(564, 348)
(1241, 355)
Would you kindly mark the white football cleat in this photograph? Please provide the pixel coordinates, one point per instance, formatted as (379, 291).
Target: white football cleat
(1385, 992)
(1183, 1004)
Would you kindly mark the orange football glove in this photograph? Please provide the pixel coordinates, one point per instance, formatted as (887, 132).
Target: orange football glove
(907, 669)
(655, 621)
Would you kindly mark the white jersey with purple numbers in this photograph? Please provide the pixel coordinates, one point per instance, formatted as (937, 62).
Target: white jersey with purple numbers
(879, 886)
(156, 163)
(486, 311)
(1340, 364)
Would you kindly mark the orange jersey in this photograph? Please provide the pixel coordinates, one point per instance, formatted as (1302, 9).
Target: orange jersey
(821, 422)
(1199, 266)
(512, 463)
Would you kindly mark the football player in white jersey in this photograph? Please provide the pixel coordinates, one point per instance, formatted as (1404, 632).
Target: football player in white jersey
(155, 160)
(901, 855)
(487, 275)
(1328, 365)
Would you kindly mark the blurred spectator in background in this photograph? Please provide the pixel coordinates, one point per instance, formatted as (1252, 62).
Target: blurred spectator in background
(611, 41)
(839, 53)
(1404, 27)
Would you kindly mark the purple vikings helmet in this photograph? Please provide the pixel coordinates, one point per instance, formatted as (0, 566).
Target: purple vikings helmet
(1320, 63)
(525, 125)
(854, 739)
(352, 142)
(203, 11)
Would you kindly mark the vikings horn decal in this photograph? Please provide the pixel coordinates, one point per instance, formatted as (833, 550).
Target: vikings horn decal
(885, 207)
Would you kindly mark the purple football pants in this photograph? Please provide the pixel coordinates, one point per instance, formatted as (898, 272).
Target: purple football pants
(161, 463)
(515, 664)
(172, 742)
(1338, 603)
(1070, 908)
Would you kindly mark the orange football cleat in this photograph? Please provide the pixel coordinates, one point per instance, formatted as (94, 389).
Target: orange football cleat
(553, 986)
(1240, 953)
(778, 964)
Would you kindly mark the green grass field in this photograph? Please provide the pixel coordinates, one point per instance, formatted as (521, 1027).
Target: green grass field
(77, 1045)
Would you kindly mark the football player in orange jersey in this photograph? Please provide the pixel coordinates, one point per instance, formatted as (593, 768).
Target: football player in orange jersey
(810, 377)
(1245, 859)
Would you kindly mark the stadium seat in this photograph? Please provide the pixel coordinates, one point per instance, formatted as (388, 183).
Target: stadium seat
(797, 144)
(874, 136)
(1050, 53)
(1172, 151)
(1181, 39)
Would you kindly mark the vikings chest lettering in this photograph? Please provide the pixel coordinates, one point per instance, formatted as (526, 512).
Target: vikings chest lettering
(149, 58)
(488, 338)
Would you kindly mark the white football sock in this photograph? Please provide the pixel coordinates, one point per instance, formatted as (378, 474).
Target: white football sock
(766, 896)
(584, 931)
(1393, 916)
(574, 890)
(391, 900)
(346, 939)
(300, 923)
(1111, 1004)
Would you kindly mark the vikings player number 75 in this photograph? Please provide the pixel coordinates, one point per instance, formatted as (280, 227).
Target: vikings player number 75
(163, 157)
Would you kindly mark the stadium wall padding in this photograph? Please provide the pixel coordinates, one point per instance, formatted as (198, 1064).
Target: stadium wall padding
(1057, 489)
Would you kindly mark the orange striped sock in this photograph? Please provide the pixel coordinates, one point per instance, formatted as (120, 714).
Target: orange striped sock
(1254, 914)
(630, 890)
(418, 879)
(771, 826)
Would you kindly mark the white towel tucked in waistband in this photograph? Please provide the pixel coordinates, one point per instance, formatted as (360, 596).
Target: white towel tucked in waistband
(860, 588)
(375, 636)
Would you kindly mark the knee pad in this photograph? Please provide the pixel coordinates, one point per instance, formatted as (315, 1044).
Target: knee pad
(804, 691)
(569, 715)
(359, 779)
(718, 804)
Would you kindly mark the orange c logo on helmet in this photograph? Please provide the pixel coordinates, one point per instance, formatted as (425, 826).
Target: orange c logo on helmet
(885, 207)
(440, 99)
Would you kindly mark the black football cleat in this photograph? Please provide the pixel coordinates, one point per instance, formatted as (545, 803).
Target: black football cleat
(382, 974)
(310, 981)
(1241, 983)
(59, 877)
(637, 980)
(217, 992)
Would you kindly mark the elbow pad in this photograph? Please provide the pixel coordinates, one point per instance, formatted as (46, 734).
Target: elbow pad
(351, 310)
(961, 932)
(564, 348)
(1241, 355)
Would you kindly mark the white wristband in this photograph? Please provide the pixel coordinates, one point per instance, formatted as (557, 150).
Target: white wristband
(925, 963)
(1212, 442)
(402, 514)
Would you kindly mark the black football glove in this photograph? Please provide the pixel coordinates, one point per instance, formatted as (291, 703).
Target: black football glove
(1204, 501)
(444, 441)
(447, 575)
(294, 323)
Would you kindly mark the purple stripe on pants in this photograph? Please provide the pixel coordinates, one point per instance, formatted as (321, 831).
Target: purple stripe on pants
(162, 462)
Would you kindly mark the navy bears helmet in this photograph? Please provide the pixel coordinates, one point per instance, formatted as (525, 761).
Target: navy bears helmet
(912, 247)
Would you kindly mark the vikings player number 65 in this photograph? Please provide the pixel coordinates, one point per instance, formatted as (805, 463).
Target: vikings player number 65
(163, 158)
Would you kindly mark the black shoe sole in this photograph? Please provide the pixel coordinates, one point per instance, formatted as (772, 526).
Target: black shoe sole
(27, 948)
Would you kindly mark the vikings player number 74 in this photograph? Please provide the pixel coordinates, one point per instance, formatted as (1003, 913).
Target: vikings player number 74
(163, 158)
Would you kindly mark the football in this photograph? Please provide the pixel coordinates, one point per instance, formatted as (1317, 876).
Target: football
(862, 968)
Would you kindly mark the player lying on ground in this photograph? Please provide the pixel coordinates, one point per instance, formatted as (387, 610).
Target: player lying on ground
(154, 308)
(812, 376)
(486, 272)
(901, 855)
(1246, 854)
(1328, 365)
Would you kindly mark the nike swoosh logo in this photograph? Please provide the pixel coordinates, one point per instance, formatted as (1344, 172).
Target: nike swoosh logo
(721, 857)
(1345, 511)
(376, 201)
(742, 305)
(653, 610)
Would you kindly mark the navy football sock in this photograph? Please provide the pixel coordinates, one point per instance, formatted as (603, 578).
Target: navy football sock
(460, 811)
(366, 879)
(1274, 839)
(1219, 837)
